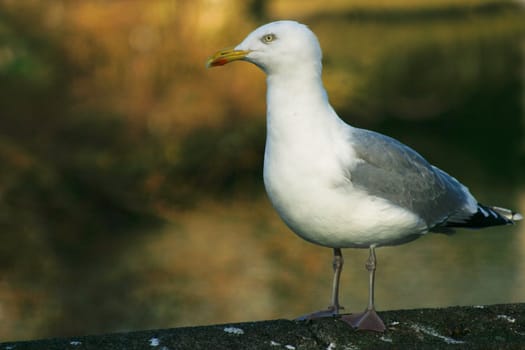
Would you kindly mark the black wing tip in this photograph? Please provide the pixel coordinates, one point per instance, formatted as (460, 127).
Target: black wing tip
(487, 216)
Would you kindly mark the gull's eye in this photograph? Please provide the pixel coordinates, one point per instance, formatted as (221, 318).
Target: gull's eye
(268, 38)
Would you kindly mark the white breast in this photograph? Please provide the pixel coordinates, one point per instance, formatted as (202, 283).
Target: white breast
(303, 172)
(307, 161)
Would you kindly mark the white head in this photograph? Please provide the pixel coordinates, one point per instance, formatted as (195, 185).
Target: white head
(277, 48)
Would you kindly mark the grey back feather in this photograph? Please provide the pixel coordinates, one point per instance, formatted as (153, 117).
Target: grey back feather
(397, 173)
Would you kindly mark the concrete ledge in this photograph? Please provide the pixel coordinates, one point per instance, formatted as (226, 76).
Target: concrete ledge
(473, 327)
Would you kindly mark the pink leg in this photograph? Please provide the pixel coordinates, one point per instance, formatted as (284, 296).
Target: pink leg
(334, 308)
(368, 320)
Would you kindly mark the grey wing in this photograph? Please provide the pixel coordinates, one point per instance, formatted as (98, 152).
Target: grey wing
(391, 170)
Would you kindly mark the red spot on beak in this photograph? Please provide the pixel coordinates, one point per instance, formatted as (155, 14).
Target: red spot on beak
(219, 62)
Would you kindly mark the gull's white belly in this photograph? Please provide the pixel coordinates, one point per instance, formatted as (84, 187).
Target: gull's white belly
(335, 214)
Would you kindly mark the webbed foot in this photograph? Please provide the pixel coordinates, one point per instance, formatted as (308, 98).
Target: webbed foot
(331, 311)
(368, 320)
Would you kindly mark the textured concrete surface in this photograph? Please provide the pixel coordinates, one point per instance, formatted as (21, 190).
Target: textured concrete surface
(472, 327)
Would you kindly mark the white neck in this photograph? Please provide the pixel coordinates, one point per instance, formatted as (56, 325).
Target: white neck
(305, 113)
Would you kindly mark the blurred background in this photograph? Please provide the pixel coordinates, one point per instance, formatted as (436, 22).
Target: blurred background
(131, 192)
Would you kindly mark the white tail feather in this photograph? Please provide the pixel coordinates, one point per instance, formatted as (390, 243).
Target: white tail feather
(507, 213)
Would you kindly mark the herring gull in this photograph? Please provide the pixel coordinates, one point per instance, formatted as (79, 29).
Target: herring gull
(339, 186)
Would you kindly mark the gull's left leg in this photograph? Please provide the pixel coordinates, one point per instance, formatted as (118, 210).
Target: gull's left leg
(368, 320)
(333, 309)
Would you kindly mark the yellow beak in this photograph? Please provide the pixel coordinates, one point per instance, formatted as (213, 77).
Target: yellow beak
(220, 58)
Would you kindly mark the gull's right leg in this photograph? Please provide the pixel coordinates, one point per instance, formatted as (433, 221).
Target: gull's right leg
(334, 307)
